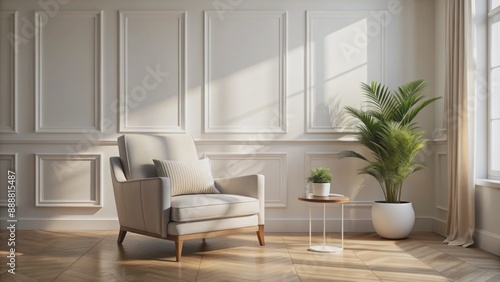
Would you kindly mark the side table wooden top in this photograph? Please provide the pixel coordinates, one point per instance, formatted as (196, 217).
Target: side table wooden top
(325, 199)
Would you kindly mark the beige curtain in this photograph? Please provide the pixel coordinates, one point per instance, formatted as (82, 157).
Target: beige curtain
(460, 90)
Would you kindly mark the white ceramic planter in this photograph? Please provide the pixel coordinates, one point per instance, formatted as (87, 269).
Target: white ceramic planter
(393, 220)
(320, 189)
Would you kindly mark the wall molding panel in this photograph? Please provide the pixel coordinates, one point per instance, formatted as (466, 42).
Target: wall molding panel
(68, 77)
(237, 164)
(60, 178)
(354, 43)
(258, 101)
(312, 156)
(8, 51)
(441, 180)
(153, 81)
(7, 162)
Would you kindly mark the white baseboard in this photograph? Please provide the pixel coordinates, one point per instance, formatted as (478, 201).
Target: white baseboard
(334, 225)
(439, 226)
(487, 241)
(483, 239)
(62, 224)
(272, 224)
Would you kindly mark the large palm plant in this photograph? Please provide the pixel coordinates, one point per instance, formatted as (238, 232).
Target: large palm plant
(387, 129)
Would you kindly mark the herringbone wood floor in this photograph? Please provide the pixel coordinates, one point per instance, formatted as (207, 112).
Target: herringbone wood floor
(95, 256)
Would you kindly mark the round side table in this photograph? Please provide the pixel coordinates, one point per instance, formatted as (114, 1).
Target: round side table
(325, 200)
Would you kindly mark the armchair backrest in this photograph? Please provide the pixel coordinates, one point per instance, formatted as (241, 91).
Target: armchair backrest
(138, 151)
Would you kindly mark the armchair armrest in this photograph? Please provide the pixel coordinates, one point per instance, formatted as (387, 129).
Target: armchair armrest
(248, 185)
(142, 204)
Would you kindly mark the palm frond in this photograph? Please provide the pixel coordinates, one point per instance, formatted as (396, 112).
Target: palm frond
(380, 98)
(351, 154)
(409, 116)
(388, 131)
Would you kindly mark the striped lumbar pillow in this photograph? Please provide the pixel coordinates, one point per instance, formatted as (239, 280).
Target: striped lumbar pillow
(187, 177)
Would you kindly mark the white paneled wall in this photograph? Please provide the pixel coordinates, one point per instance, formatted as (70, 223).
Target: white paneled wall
(342, 49)
(259, 84)
(68, 68)
(7, 162)
(245, 71)
(275, 164)
(8, 83)
(65, 180)
(152, 71)
(441, 188)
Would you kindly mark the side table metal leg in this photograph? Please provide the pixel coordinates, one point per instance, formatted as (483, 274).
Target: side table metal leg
(323, 248)
(342, 227)
(324, 224)
(310, 245)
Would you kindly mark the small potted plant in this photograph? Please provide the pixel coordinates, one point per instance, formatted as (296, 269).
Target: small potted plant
(320, 179)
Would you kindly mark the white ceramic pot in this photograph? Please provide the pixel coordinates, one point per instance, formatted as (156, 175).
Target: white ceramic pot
(320, 189)
(393, 220)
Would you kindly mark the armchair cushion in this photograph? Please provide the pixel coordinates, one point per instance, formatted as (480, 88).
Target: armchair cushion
(187, 177)
(188, 208)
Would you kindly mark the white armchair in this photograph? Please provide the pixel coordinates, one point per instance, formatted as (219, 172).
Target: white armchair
(145, 205)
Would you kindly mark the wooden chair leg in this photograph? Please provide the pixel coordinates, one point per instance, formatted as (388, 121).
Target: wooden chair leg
(121, 236)
(178, 249)
(260, 235)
